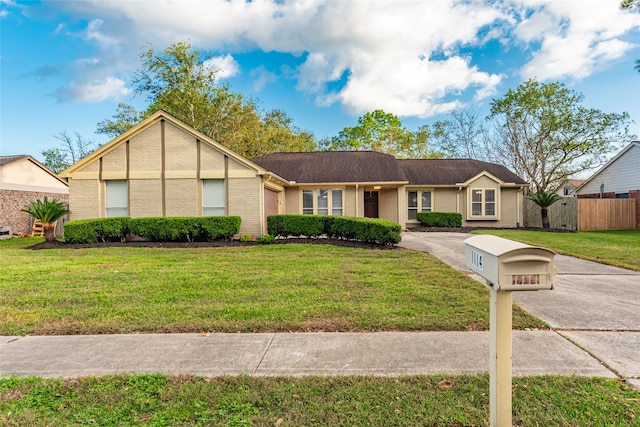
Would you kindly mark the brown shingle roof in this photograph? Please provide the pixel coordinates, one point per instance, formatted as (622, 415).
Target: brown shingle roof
(5, 160)
(333, 166)
(369, 166)
(452, 171)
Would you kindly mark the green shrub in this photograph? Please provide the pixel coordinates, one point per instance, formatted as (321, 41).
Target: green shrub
(296, 225)
(370, 230)
(162, 229)
(267, 239)
(96, 230)
(440, 219)
(186, 228)
(245, 238)
(218, 227)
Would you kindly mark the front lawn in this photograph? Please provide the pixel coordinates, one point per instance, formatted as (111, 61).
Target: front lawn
(160, 400)
(619, 248)
(291, 287)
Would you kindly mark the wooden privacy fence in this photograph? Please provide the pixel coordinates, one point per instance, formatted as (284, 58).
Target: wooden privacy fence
(606, 214)
(563, 214)
(575, 214)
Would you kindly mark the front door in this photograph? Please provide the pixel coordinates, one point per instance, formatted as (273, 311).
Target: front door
(371, 204)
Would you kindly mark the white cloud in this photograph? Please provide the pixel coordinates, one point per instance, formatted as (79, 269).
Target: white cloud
(576, 38)
(225, 65)
(262, 77)
(94, 91)
(409, 57)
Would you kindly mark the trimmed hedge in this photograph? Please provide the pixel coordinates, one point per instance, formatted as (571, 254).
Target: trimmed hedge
(440, 219)
(96, 230)
(369, 230)
(153, 228)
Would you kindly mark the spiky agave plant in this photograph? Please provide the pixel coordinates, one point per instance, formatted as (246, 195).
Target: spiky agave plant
(544, 199)
(47, 212)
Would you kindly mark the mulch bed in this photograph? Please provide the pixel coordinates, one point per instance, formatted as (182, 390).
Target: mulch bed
(220, 243)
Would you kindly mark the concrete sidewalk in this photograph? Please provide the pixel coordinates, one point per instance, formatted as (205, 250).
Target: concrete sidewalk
(291, 354)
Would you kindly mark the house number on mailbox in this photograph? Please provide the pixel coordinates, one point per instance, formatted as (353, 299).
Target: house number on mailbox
(476, 259)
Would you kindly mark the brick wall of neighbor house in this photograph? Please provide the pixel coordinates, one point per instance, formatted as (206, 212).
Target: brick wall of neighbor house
(84, 199)
(11, 203)
(635, 194)
(292, 200)
(244, 201)
(350, 197)
(446, 199)
(510, 205)
(609, 195)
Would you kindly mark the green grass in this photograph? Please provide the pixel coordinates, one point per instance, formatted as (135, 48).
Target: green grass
(266, 288)
(618, 248)
(160, 400)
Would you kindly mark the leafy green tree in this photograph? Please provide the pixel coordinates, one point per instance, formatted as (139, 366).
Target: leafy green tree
(180, 81)
(73, 148)
(544, 199)
(383, 132)
(630, 4)
(546, 135)
(55, 159)
(47, 212)
(125, 118)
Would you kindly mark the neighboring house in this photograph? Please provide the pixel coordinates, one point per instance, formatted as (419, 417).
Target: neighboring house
(619, 178)
(162, 167)
(568, 187)
(23, 180)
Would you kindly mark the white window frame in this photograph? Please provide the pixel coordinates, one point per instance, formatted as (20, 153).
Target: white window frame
(115, 202)
(214, 204)
(482, 192)
(313, 195)
(419, 203)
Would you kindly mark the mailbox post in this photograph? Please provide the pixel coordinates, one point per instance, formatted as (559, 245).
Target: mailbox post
(506, 266)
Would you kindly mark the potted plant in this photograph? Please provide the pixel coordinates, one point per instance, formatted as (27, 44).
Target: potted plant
(47, 212)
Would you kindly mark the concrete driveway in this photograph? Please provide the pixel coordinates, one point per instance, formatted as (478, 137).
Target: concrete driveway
(593, 305)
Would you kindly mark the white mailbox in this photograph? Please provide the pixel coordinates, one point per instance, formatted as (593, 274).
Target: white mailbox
(509, 265)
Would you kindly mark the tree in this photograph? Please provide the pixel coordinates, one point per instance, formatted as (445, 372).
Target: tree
(546, 135)
(47, 212)
(180, 81)
(630, 4)
(464, 135)
(544, 199)
(73, 148)
(125, 118)
(383, 132)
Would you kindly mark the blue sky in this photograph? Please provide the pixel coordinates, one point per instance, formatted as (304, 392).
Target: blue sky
(64, 65)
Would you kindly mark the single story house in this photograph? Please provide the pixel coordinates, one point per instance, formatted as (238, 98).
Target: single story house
(619, 178)
(22, 180)
(162, 167)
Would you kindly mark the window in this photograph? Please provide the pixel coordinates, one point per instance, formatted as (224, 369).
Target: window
(307, 202)
(483, 202)
(322, 201)
(116, 198)
(418, 201)
(336, 202)
(213, 197)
